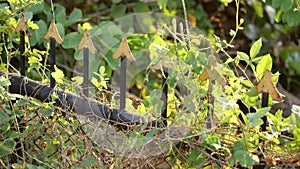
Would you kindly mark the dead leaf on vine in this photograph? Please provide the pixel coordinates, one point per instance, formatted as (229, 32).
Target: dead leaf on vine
(270, 160)
(204, 75)
(267, 85)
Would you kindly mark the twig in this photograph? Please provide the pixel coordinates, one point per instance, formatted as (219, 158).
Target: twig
(208, 155)
(186, 23)
(246, 76)
(106, 12)
(36, 159)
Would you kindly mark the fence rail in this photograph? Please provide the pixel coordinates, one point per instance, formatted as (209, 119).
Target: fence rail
(78, 105)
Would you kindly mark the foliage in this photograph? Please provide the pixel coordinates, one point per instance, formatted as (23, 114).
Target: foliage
(276, 21)
(39, 135)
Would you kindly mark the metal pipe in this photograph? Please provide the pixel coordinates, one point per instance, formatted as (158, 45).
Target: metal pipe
(123, 83)
(52, 61)
(86, 72)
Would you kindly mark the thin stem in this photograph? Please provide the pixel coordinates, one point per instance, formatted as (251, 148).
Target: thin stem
(36, 159)
(226, 54)
(45, 64)
(208, 155)
(186, 23)
(21, 140)
(237, 24)
(52, 9)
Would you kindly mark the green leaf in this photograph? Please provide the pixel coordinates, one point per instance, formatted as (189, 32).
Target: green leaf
(213, 140)
(258, 7)
(196, 158)
(88, 161)
(141, 7)
(113, 63)
(78, 55)
(116, 1)
(255, 48)
(117, 11)
(102, 70)
(75, 16)
(4, 117)
(264, 64)
(157, 104)
(278, 16)
(58, 75)
(4, 81)
(194, 154)
(229, 60)
(60, 29)
(226, 2)
(276, 3)
(46, 111)
(243, 56)
(150, 135)
(31, 166)
(286, 5)
(6, 126)
(297, 135)
(78, 80)
(38, 8)
(40, 33)
(239, 145)
(254, 119)
(17, 165)
(60, 14)
(71, 40)
(28, 15)
(98, 84)
(245, 158)
(157, 48)
(162, 4)
(247, 83)
(291, 17)
(252, 92)
(7, 147)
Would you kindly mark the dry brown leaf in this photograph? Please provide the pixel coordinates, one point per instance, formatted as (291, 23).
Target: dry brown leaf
(212, 74)
(267, 85)
(270, 160)
(53, 33)
(204, 75)
(87, 42)
(124, 50)
(192, 20)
